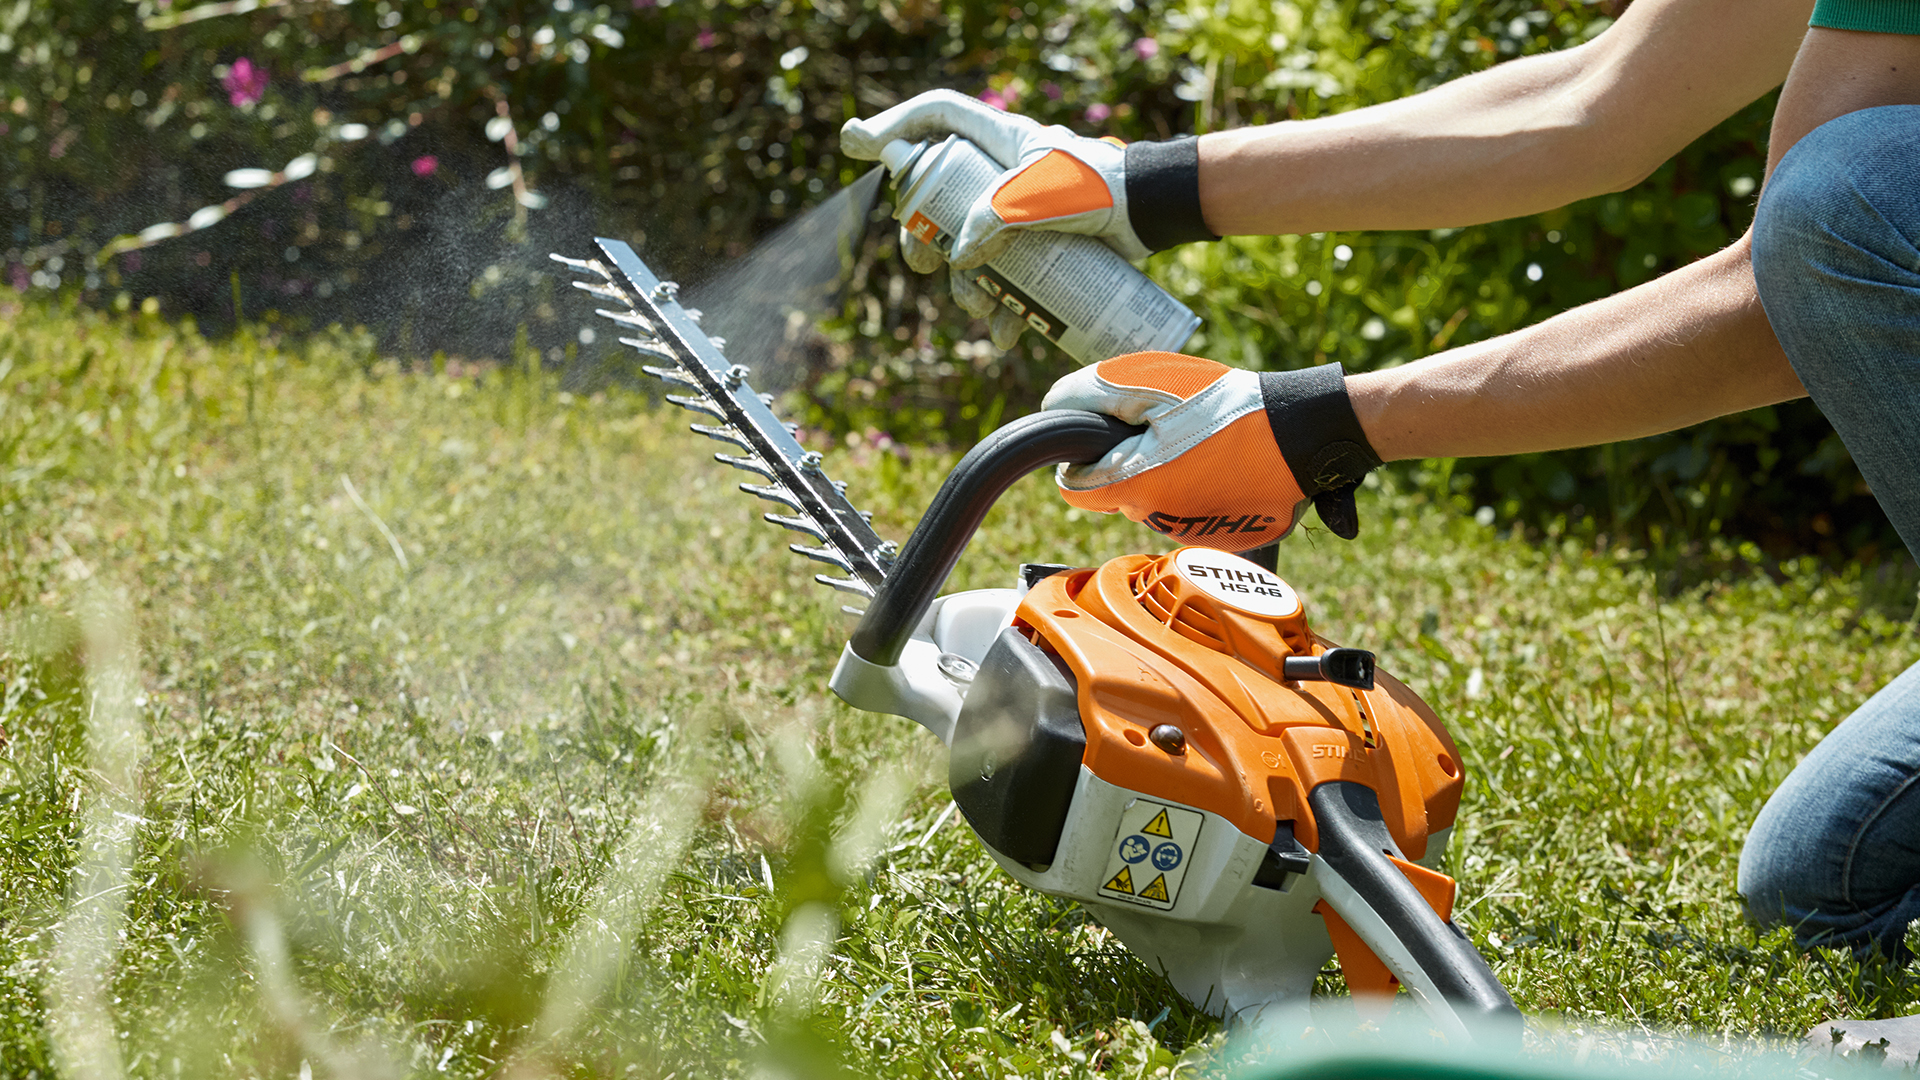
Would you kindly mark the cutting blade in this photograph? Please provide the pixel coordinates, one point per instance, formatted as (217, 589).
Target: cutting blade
(663, 331)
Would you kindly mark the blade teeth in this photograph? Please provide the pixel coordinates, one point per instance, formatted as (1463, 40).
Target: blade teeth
(650, 347)
(581, 266)
(797, 524)
(846, 585)
(765, 399)
(773, 493)
(849, 609)
(626, 318)
(752, 465)
(697, 404)
(694, 313)
(724, 434)
(672, 375)
(823, 554)
(605, 292)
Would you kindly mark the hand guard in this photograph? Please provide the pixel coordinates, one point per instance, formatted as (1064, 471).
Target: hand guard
(1230, 457)
(1137, 199)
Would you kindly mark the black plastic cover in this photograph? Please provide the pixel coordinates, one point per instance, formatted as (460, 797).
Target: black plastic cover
(1033, 573)
(1016, 750)
(1284, 857)
(1347, 667)
(1355, 843)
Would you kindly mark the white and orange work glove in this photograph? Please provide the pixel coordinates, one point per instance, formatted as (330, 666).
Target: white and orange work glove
(1138, 198)
(1229, 459)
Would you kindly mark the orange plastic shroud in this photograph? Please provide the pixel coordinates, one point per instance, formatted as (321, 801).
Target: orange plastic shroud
(1149, 647)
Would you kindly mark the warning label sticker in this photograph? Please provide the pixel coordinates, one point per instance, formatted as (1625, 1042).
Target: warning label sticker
(1150, 853)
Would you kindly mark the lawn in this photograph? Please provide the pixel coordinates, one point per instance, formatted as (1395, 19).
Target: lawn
(361, 721)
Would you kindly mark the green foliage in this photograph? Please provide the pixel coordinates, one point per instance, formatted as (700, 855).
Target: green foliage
(1369, 300)
(454, 142)
(534, 713)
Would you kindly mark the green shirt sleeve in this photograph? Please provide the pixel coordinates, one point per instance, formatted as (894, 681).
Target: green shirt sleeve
(1877, 16)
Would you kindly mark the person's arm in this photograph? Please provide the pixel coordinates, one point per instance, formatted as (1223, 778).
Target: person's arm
(1521, 137)
(1689, 346)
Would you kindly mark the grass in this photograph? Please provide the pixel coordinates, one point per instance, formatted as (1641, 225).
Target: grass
(361, 722)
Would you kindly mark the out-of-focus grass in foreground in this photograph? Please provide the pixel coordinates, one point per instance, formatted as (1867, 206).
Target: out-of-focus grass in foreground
(481, 729)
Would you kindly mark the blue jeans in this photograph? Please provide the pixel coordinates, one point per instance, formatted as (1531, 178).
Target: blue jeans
(1835, 853)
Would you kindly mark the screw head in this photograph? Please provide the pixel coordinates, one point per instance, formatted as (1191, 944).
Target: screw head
(1168, 738)
(957, 669)
(810, 460)
(888, 549)
(666, 292)
(737, 374)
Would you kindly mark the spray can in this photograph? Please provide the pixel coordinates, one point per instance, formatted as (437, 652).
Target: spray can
(1073, 290)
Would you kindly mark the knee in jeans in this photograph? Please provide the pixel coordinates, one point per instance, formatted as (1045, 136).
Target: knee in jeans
(1844, 184)
(1782, 877)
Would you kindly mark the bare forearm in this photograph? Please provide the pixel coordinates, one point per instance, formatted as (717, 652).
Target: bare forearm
(1692, 345)
(1521, 137)
(1494, 145)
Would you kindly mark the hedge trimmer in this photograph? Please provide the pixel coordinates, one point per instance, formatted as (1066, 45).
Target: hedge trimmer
(1161, 738)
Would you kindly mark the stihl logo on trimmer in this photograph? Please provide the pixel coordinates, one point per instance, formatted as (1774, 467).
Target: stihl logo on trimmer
(1324, 750)
(1194, 527)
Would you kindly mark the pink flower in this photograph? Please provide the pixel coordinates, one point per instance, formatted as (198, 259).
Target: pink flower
(20, 278)
(244, 83)
(1051, 89)
(425, 165)
(705, 38)
(1146, 48)
(994, 98)
(1098, 112)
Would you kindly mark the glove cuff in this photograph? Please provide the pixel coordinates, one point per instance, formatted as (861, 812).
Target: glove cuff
(1320, 437)
(1163, 193)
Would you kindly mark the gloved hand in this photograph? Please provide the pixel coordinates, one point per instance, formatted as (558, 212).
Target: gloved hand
(1138, 199)
(1230, 457)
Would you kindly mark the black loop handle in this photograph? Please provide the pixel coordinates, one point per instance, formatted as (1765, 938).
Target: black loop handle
(989, 469)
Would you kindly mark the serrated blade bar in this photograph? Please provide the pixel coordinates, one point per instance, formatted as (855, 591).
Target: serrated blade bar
(773, 493)
(605, 292)
(652, 348)
(750, 423)
(626, 318)
(673, 375)
(821, 554)
(727, 435)
(797, 524)
(752, 465)
(580, 266)
(846, 585)
(697, 404)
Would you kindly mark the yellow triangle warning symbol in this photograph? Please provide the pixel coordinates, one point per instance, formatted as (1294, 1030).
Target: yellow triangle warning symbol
(1156, 891)
(1123, 882)
(1158, 826)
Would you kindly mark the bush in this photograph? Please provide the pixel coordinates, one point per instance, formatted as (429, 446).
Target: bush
(453, 142)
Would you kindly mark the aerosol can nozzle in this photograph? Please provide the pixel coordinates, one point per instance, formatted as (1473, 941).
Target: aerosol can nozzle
(896, 154)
